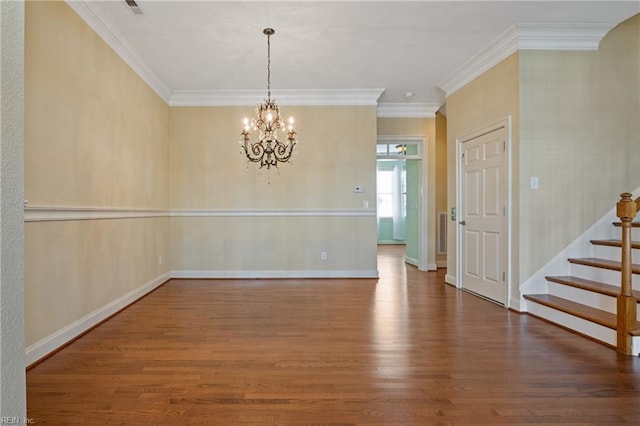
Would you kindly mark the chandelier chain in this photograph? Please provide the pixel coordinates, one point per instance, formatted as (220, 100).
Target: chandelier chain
(269, 67)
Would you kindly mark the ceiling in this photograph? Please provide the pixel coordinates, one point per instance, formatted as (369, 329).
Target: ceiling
(198, 47)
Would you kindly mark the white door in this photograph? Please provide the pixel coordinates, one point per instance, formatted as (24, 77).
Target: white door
(483, 215)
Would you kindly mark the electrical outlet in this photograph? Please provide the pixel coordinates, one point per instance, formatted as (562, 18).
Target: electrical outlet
(323, 255)
(160, 260)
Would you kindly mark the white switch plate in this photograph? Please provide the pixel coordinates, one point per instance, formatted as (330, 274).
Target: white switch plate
(535, 183)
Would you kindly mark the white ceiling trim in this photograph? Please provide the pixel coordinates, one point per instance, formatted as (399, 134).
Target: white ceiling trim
(315, 97)
(526, 37)
(86, 10)
(407, 110)
(562, 36)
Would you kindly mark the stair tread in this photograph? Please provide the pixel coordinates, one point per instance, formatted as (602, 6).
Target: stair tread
(633, 224)
(605, 319)
(595, 286)
(615, 243)
(603, 263)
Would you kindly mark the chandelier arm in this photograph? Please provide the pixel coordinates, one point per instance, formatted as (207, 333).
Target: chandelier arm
(283, 152)
(253, 151)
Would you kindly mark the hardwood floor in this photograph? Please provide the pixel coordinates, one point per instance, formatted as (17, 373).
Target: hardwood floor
(404, 349)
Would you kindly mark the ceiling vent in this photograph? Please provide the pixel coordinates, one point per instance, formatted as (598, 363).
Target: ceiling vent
(133, 6)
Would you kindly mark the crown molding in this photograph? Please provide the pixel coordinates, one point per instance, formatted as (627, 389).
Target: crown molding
(87, 11)
(310, 97)
(562, 36)
(407, 110)
(497, 50)
(526, 37)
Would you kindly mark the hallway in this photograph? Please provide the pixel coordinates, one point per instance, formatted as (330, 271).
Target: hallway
(404, 349)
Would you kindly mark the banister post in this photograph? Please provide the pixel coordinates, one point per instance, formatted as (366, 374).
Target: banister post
(626, 210)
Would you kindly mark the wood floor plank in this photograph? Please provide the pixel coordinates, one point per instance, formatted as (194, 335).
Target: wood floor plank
(406, 349)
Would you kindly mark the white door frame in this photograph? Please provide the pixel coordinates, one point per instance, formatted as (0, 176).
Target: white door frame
(506, 123)
(423, 213)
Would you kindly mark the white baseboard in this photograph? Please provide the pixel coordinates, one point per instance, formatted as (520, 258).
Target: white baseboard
(432, 267)
(275, 274)
(58, 339)
(441, 264)
(412, 261)
(450, 279)
(517, 304)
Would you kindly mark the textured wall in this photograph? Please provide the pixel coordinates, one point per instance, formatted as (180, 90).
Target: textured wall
(227, 205)
(441, 174)
(96, 139)
(580, 134)
(575, 126)
(490, 98)
(12, 384)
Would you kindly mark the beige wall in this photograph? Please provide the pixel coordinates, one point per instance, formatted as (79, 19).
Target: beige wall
(575, 126)
(580, 134)
(489, 99)
(424, 127)
(441, 174)
(96, 136)
(238, 232)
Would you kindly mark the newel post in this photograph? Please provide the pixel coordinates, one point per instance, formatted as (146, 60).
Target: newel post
(626, 210)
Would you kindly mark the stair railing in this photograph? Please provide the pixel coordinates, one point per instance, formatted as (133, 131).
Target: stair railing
(626, 210)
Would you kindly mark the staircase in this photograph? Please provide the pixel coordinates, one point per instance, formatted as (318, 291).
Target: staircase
(599, 297)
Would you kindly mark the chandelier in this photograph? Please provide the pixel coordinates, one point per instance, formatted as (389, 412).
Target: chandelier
(268, 150)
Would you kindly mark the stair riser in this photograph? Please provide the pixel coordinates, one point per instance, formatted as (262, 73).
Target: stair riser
(589, 298)
(602, 275)
(635, 233)
(613, 253)
(595, 331)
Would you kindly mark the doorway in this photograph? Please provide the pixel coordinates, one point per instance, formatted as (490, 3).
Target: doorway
(400, 214)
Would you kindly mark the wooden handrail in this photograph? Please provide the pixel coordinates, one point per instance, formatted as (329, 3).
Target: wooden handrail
(626, 210)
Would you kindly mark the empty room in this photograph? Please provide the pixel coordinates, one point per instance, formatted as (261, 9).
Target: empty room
(319, 212)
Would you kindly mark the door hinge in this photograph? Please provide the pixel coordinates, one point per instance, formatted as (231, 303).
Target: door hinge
(504, 210)
(504, 145)
(504, 276)
(462, 157)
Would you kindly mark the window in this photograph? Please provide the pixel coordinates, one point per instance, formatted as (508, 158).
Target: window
(392, 189)
(398, 149)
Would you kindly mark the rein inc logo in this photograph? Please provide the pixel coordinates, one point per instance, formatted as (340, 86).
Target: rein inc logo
(16, 421)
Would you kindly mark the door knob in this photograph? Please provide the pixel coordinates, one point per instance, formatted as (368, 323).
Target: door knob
(463, 222)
